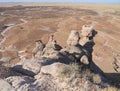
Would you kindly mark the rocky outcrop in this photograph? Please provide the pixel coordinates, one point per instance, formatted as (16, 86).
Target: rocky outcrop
(54, 77)
(28, 67)
(73, 51)
(73, 38)
(74, 48)
(54, 68)
(20, 83)
(37, 51)
(5, 86)
(7, 71)
(84, 59)
(51, 48)
(45, 82)
(86, 33)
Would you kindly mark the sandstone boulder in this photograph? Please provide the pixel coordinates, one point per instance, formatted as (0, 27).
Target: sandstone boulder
(37, 51)
(84, 59)
(86, 31)
(83, 41)
(85, 34)
(51, 48)
(5, 59)
(52, 69)
(62, 77)
(74, 48)
(75, 51)
(73, 38)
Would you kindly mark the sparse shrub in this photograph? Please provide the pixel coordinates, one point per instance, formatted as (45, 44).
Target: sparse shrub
(68, 71)
(74, 70)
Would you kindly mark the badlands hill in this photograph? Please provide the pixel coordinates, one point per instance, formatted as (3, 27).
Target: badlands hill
(22, 25)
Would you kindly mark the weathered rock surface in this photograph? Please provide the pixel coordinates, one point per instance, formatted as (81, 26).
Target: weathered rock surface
(86, 33)
(28, 67)
(51, 47)
(5, 86)
(84, 59)
(37, 51)
(73, 38)
(53, 68)
(7, 71)
(74, 48)
(59, 76)
(83, 40)
(20, 83)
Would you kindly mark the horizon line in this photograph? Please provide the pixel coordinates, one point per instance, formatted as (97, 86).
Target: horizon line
(67, 2)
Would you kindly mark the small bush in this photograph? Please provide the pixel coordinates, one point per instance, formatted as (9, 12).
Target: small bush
(74, 70)
(67, 71)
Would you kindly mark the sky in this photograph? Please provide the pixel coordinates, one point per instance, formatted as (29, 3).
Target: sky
(84, 1)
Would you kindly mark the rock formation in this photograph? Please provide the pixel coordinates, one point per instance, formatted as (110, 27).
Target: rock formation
(73, 51)
(5, 86)
(20, 83)
(37, 51)
(53, 68)
(73, 38)
(74, 48)
(51, 47)
(84, 59)
(86, 33)
(86, 30)
(28, 67)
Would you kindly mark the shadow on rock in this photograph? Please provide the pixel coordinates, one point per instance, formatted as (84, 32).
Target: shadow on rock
(20, 69)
